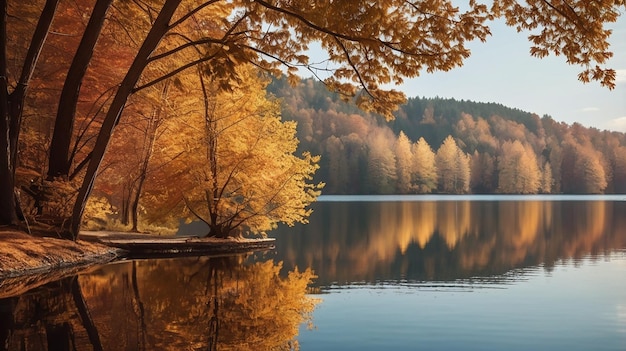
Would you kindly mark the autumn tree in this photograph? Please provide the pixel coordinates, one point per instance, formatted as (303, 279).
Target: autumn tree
(368, 43)
(336, 164)
(424, 171)
(483, 173)
(583, 172)
(404, 164)
(475, 133)
(132, 158)
(60, 147)
(518, 172)
(547, 182)
(381, 163)
(240, 168)
(453, 167)
(619, 170)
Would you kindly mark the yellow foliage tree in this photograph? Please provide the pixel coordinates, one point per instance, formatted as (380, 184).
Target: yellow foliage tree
(424, 168)
(239, 170)
(519, 172)
(404, 164)
(453, 166)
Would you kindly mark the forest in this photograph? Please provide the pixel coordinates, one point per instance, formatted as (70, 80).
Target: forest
(158, 110)
(449, 146)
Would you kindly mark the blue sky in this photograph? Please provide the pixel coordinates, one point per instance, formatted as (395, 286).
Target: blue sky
(502, 71)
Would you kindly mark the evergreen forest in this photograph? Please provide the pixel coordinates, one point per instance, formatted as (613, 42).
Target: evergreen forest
(448, 146)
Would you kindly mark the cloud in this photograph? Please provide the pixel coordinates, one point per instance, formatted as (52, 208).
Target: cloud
(590, 109)
(617, 124)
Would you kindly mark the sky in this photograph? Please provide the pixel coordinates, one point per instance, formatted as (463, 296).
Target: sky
(502, 71)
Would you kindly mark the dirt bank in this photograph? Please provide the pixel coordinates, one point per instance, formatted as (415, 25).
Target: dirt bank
(22, 254)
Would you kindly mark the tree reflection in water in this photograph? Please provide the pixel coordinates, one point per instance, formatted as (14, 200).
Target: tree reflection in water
(197, 303)
(446, 240)
(53, 316)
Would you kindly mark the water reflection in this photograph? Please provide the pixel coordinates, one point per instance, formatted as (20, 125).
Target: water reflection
(373, 241)
(192, 303)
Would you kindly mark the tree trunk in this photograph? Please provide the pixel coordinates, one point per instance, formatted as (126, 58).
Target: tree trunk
(59, 161)
(126, 206)
(8, 213)
(148, 148)
(158, 30)
(12, 105)
(134, 211)
(7, 321)
(85, 316)
(8, 206)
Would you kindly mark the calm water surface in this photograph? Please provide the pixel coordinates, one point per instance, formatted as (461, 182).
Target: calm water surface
(464, 273)
(393, 273)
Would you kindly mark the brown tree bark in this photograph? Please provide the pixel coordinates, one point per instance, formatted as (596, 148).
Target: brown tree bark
(12, 105)
(8, 213)
(60, 160)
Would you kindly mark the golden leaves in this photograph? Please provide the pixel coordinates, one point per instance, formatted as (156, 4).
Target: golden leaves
(239, 166)
(371, 43)
(375, 43)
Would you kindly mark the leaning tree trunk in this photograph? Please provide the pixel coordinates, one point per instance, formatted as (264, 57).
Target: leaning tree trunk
(59, 162)
(158, 30)
(12, 106)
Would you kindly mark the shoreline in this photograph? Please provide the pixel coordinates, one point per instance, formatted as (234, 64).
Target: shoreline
(24, 254)
(28, 261)
(148, 245)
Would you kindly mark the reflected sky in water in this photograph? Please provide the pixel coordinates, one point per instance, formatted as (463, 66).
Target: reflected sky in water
(569, 308)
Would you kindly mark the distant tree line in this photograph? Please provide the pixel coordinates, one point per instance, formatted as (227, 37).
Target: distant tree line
(437, 145)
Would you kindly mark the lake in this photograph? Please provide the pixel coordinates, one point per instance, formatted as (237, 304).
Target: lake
(367, 273)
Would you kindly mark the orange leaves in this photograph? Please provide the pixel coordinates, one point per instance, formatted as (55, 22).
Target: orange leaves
(606, 77)
(374, 43)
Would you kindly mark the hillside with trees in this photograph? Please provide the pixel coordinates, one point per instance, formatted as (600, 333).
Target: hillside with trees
(437, 145)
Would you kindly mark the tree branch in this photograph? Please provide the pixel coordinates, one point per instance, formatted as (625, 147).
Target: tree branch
(191, 13)
(184, 46)
(173, 73)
